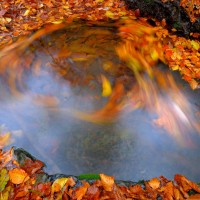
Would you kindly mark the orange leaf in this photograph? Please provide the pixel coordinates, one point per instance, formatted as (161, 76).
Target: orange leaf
(154, 183)
(18, 176)
(194, 197)
(4, 139)
(81, 191)
(107, 182)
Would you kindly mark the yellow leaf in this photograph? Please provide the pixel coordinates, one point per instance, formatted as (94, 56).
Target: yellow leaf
(122, 13)
(175, 67)
(58, 184)
(8, 19)
(195, 45)
(5, 194)
(65, 7)
(106, 86)
(135, 65)
(99, 1)
(154, 55)
(107, 66)
(18, 176)
(109, 14)
(58, 22)
(26, 12)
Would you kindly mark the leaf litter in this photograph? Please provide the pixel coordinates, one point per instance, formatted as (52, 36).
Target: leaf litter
(18, 182)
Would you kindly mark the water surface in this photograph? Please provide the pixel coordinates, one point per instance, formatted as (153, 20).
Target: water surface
(48, 82)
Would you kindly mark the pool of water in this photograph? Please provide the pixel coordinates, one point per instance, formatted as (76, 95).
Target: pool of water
(61, 72)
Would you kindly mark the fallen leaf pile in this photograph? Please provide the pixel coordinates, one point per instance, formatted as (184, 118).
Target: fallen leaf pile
(192, 8)
(183, 55)
(22, 17)
(23, 177)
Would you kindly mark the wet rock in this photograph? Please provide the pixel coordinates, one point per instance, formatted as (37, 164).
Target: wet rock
(175, 15)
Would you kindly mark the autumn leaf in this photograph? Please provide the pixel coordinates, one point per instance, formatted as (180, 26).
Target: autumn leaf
(109, 14)
(185, 183)
(195, 45)
(106, 86)
(32, 166)
(154, 183)
(5, 194)
(18, 176)
(81, 191)
(194, 197)
(58, 184)
(108, 113)
(107, 181)
(4, 178)
(4, 139)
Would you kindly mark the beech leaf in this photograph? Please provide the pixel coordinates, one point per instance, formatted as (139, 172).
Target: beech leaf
(18, 176)
(4, 178)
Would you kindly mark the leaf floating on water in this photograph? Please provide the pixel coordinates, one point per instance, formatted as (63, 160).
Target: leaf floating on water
(109, 112)
(4, 139)
(106, 86)
(45, 100)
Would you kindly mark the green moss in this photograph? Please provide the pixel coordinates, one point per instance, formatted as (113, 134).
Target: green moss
(88, 177)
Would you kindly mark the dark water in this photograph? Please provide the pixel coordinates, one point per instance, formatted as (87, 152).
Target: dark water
(130, 148)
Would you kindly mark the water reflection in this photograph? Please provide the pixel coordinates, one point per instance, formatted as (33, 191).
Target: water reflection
(60, 73)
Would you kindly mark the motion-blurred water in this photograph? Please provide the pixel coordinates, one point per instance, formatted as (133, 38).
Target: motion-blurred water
(61, 72)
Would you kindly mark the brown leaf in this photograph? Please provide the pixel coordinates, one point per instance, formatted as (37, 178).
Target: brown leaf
(31, 166)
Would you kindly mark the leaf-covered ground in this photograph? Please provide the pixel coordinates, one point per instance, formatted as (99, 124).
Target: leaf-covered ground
(21, 175)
